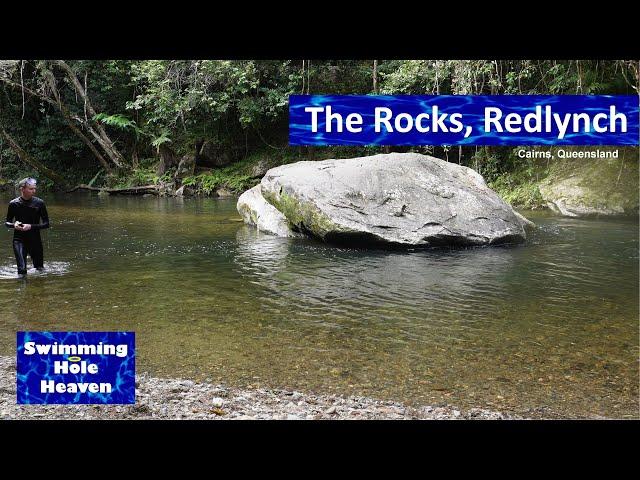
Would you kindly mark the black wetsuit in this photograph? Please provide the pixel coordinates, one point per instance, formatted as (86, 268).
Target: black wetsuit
(29, 242)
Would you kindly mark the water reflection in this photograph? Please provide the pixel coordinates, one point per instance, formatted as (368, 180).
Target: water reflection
(258, 253)
(551, 324)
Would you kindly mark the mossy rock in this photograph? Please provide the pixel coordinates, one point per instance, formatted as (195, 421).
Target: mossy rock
(396, 200)
(593, 187)
(303, 216)
(255, 210)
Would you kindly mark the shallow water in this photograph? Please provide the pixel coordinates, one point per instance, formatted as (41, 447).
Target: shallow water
(549, 328)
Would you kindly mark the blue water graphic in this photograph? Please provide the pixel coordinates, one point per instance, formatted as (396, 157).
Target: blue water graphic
(472, 108)
(116, 370)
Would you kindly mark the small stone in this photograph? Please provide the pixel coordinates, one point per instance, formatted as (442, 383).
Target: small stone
(224, 192)
(217, 402)
(330, 410)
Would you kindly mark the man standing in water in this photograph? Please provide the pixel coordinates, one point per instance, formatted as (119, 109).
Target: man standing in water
(27, 210)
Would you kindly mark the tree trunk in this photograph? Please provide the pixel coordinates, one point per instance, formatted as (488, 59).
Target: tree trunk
(154, 189)
(101, 134)
(375, 77)
(67, 116)
(32, 162)
(134, 157)
(168, 160)
(88, 143)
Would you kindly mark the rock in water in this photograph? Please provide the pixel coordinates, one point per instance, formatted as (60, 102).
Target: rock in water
(403, 199)
(592, 187)
(223, 192)
(255, 210)
(574, 197)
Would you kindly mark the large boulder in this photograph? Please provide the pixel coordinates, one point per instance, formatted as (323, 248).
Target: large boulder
(255, 210)
(593, 187)
(402, 199)
(569, 198)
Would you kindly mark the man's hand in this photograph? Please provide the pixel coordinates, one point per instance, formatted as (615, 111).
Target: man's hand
(22, 227)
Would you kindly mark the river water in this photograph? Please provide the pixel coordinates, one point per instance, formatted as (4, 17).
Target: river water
(546, 329)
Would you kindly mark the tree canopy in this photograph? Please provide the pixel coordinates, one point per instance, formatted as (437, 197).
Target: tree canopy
(77, 117)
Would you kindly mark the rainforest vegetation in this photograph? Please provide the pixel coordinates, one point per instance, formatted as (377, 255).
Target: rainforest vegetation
(212, 124)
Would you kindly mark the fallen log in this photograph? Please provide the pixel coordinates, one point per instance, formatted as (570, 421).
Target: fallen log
(119, 191)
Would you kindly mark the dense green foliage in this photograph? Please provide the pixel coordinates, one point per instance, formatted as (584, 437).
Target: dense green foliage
(241, 106)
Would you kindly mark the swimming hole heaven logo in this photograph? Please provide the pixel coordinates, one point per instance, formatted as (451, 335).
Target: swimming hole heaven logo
(75, 367)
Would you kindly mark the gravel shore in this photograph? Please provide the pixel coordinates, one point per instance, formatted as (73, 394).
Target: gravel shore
(161, 398)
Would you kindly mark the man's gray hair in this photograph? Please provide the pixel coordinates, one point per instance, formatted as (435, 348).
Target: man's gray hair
(28, 180)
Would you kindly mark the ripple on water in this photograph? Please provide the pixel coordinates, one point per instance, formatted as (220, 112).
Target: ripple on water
(8, 272)
(551, 323)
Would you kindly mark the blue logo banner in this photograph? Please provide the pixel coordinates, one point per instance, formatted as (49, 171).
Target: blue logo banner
(463, 120)
(75, 367)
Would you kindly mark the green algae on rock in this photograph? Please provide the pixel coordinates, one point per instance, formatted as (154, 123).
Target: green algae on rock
(397, 199)
(256, 211)
(593, 187)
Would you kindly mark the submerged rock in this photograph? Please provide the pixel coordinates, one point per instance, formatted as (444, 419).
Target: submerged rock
(255, 210)
(404, 199)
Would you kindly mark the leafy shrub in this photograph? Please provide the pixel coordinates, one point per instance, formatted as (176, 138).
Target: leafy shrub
(521, 195)
(207, 182)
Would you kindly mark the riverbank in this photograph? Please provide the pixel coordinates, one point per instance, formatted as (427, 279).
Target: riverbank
(162, 398)
(572, 181)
